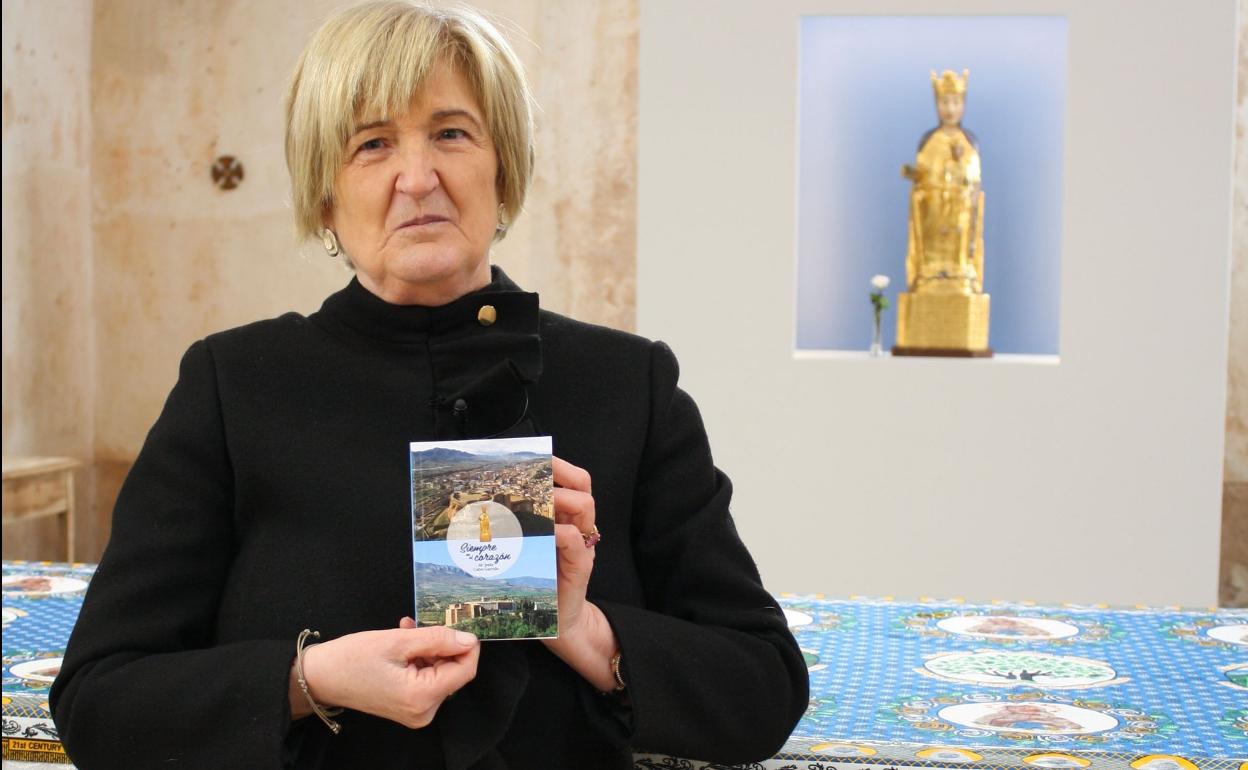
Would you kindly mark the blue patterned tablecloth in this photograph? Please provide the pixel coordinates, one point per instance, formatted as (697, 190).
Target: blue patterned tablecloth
(930, 684)
(949, 684)
(41, 603)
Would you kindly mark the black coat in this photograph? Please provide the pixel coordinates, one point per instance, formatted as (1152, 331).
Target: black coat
(272, 495)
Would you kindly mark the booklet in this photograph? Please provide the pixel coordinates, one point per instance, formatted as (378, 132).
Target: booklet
(483, 544)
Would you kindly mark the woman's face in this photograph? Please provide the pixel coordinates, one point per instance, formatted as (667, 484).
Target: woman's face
(415, 202)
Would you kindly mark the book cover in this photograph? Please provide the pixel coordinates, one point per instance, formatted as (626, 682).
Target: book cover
(483, 537)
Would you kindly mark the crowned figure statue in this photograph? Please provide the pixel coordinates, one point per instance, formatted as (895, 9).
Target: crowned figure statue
(484, 523)
(945, 310)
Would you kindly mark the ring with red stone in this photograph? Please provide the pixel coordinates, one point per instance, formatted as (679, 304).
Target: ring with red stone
(591, 538)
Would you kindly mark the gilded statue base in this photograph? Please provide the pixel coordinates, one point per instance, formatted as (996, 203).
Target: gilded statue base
(942, 325)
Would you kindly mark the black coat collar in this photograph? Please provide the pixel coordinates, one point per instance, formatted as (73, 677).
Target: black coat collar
(369, 315)
(482, 372)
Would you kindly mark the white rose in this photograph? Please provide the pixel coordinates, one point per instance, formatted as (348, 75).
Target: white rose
(879, 281)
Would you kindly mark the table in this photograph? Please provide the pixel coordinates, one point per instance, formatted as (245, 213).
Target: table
(1014, 686)
(933, 684)
(39, 491)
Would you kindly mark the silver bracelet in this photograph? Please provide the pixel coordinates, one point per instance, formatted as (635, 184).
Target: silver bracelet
(323, 713)
(620, 686)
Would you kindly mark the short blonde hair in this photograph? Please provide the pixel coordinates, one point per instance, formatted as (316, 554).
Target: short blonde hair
(372, 60)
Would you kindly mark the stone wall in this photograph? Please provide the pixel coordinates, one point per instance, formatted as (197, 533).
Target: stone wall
(48, 323)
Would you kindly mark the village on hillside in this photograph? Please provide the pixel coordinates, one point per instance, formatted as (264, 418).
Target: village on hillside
(522, 486)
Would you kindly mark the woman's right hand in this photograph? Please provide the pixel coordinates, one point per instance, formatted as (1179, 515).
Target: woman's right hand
(400, 674)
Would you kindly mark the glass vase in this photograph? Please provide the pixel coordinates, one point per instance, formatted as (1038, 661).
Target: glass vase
(877, 350)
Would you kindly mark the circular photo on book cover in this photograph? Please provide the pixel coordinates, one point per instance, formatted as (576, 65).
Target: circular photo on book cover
(1008, 627)
(484, 539)
(42, 585)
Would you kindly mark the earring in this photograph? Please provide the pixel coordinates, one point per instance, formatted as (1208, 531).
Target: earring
(330, 242)
(502, 220)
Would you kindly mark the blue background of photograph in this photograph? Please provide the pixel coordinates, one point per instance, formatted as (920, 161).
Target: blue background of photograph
(865, 100)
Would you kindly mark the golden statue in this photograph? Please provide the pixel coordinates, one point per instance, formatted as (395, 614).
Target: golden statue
(485, 527)
(945, 311)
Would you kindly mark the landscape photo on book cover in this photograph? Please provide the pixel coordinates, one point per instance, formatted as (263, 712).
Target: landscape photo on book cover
(483, 537)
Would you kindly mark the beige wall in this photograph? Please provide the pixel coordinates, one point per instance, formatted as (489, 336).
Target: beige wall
(175, 85)
(47, 285)
(1234, 572)
(1117, 438)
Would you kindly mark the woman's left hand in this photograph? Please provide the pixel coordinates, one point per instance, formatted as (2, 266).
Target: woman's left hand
(586, 641)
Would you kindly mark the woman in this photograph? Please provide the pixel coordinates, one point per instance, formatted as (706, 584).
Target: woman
(272, 493)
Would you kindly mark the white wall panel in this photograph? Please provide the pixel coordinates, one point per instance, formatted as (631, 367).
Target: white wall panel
(1097, 478)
